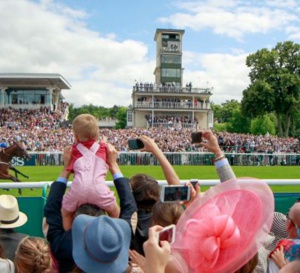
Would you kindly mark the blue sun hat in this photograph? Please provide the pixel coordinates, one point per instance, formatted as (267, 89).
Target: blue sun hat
(101, 244)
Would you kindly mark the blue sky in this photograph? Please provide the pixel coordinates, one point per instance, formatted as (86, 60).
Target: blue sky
(102, 46)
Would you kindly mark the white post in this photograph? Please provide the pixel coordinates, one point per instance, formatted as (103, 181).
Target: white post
(50, 89)
(2, 88)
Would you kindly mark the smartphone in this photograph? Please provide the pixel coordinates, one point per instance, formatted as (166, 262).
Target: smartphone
(135, 144)
(166, 234)
(196, 137)
(174, 193)
(194, 182)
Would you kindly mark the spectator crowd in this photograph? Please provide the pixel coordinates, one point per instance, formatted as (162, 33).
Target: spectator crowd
(41, 131)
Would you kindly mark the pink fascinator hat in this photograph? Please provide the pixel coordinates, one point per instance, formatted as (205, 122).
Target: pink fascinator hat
(222, 230)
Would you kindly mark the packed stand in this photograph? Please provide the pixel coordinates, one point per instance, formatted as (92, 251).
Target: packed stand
(41, 131)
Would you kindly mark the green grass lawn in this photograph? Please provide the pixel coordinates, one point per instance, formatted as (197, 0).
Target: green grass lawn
(50, 173)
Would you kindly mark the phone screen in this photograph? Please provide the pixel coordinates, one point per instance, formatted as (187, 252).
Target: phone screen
(173, 193)
(167, 234)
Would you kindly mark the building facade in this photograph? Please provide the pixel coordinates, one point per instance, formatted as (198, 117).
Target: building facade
(31, 91)
(166, 102)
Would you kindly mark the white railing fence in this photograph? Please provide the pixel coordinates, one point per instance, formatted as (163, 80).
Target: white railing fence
(206, 182)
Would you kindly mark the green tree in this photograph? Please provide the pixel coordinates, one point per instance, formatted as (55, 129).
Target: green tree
(217, 111)
(262, 125)
(114, 111)
(239, 123)
(275, 84)
(229, 117)
(220, 127)
(98, 111)
(224, 112)
(121, 117)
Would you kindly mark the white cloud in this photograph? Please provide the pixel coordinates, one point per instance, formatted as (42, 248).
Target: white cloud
(227, 74)
(231, 18)
(49, 38)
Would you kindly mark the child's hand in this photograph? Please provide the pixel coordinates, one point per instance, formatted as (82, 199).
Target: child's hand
(67, 156)
(137, 258)
(278, 257)
(111, 159)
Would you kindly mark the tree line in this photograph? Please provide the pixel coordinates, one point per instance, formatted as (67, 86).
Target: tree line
(270, 104)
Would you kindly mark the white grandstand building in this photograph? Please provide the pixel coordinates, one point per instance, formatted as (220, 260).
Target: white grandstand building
(31, 90)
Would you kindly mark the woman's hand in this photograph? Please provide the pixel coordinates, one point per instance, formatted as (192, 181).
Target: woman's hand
(157, 254)
(149, 144)
(194, 193)
(211, 143)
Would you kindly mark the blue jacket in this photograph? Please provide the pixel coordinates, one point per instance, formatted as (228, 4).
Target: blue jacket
(61, 240)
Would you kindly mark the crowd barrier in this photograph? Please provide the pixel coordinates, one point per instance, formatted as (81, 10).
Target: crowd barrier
(34, 206)
(182, 158)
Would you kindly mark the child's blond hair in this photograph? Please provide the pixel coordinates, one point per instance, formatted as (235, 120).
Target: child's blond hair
(85, 127)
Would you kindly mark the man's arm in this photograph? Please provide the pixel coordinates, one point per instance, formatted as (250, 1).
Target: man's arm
(59, 239)
(127, 202)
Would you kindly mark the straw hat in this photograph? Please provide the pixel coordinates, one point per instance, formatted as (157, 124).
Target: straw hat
(223, 230)
(10, 216)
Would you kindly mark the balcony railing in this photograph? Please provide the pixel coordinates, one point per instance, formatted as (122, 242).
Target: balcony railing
(151, 88)
(171, 105)
(26, 106)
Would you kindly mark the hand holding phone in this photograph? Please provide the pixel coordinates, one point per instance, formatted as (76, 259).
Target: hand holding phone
(194, 182)
(175, 193)
(157, 254)
(135, 144)
(166, 234)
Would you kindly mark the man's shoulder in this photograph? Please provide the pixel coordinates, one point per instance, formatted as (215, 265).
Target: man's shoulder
(9, 233)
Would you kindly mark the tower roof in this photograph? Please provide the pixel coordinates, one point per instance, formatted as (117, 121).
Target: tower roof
(33, 79)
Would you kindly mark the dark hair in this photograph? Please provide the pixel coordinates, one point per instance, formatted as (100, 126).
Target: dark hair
(89, 209)
(145, 190)
(165, 214)
(249, 266)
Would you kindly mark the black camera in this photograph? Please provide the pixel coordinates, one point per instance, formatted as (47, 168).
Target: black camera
(196, 137)
(135, 144)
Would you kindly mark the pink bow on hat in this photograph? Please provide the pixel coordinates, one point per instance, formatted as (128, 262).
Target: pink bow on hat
(217, 232)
